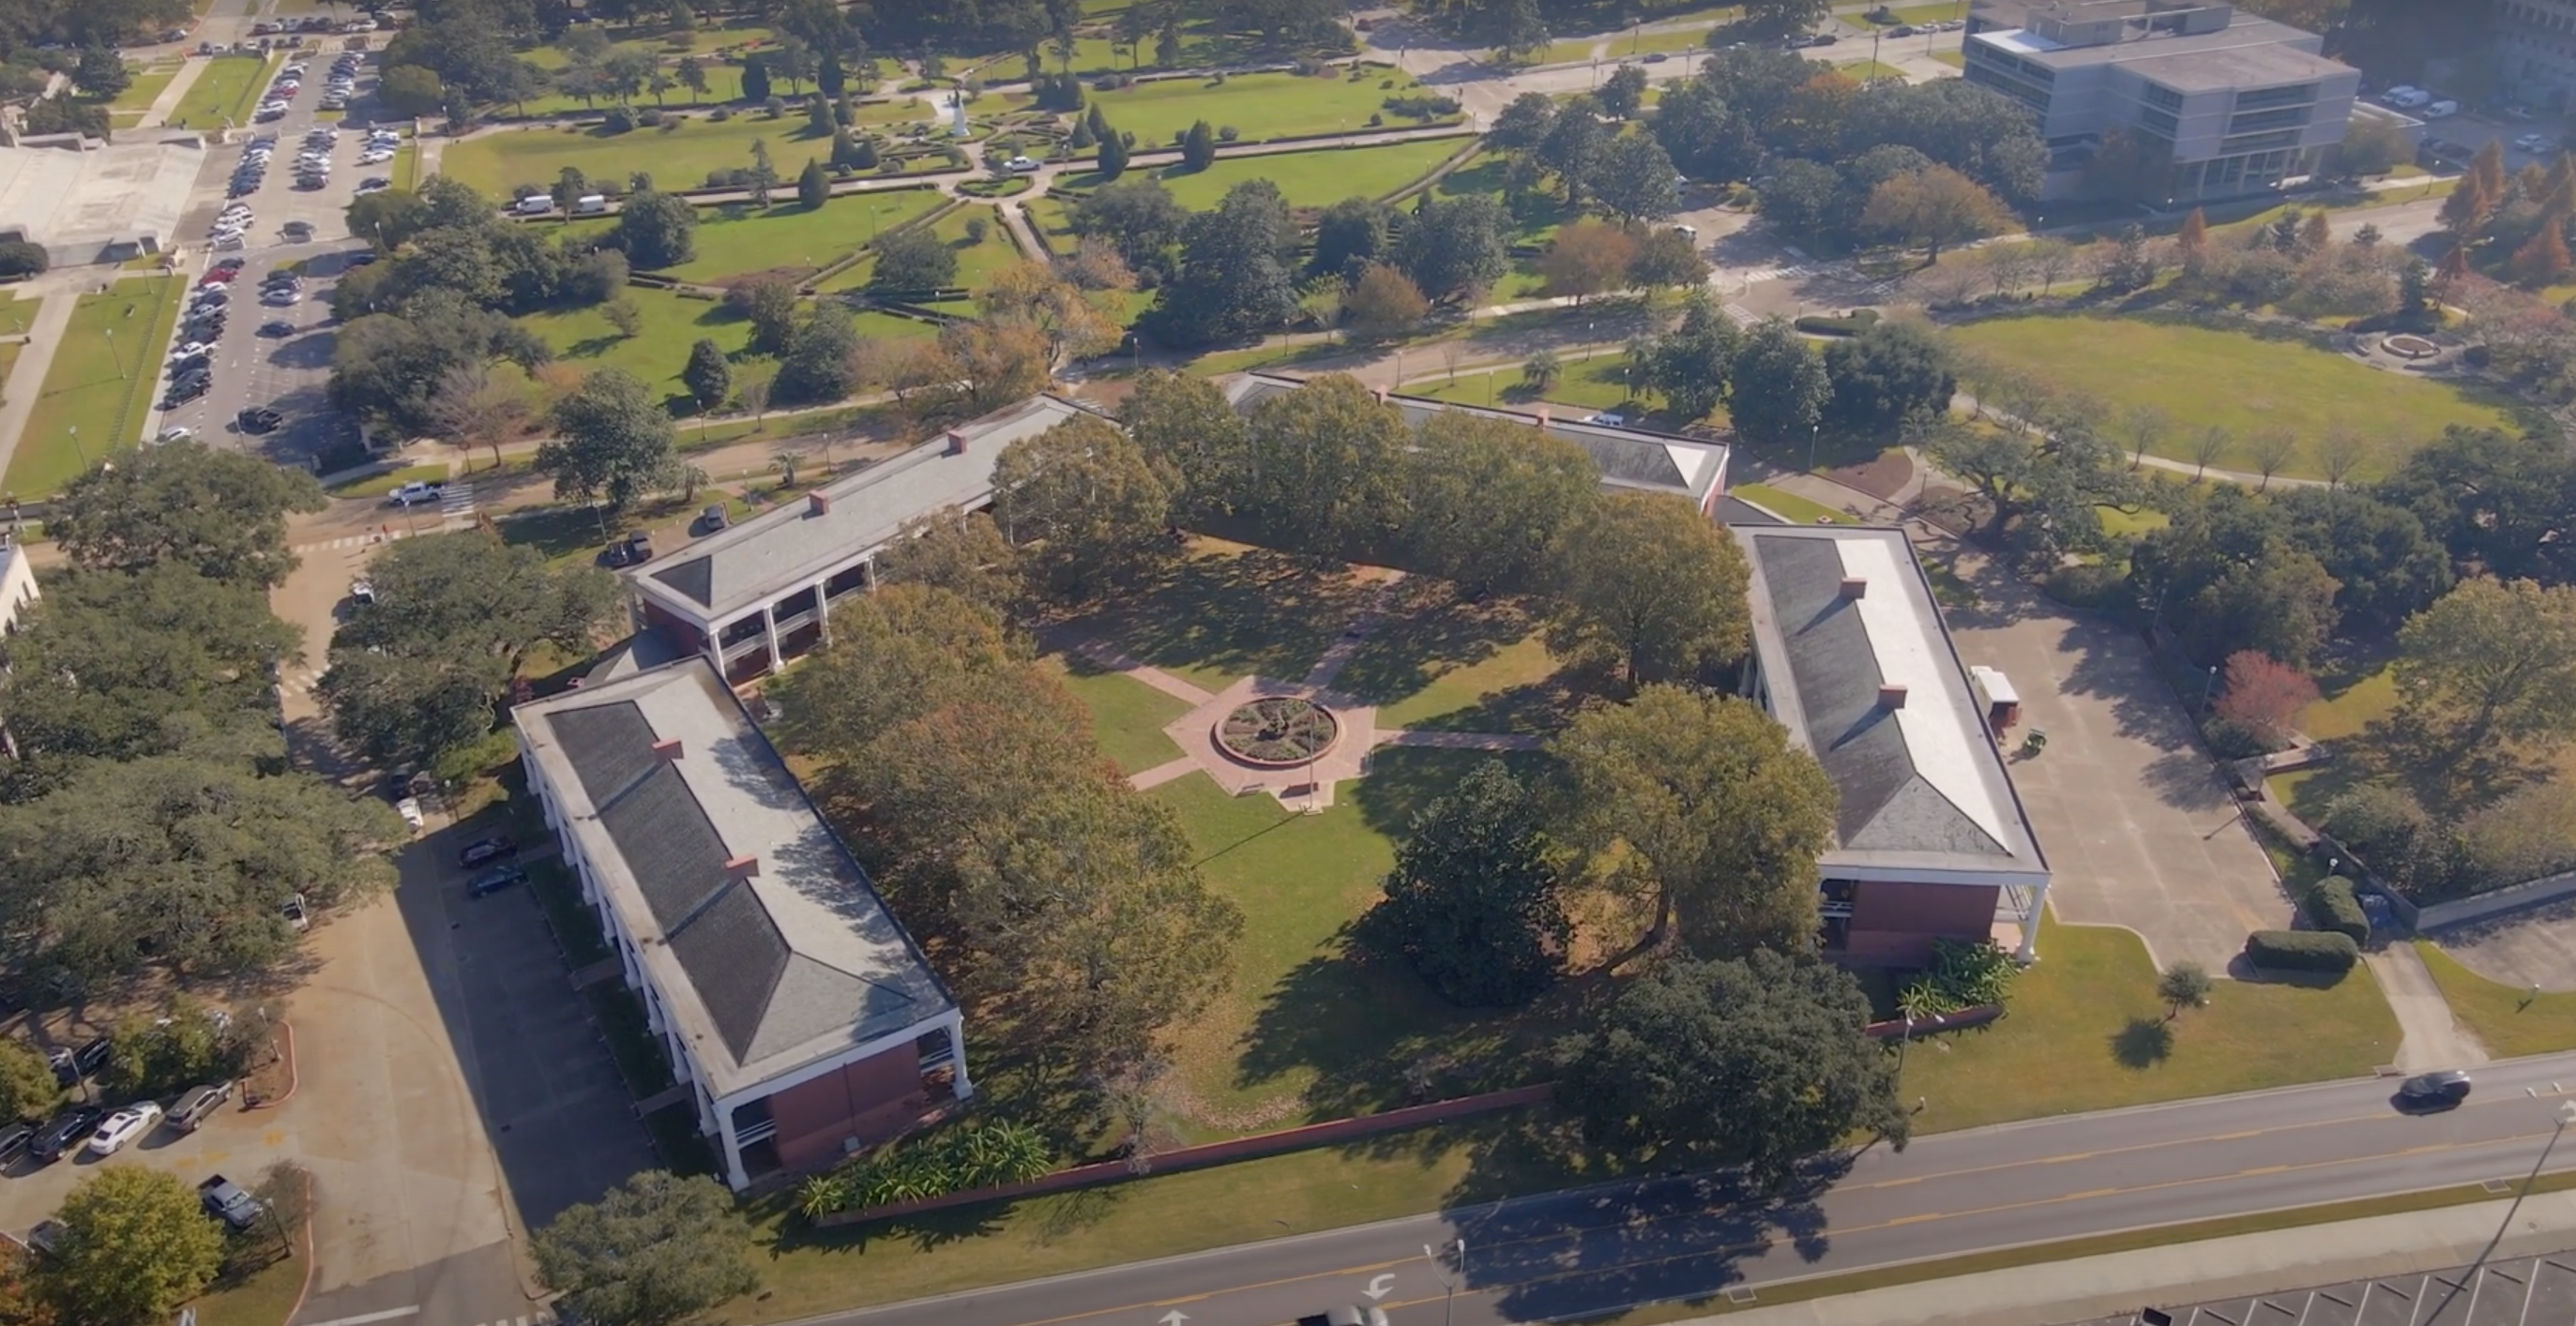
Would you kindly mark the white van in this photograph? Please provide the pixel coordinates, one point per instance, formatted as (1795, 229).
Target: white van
(590, 204)
(535, 204)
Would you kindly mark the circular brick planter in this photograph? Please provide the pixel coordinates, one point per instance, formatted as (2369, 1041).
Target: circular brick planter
(2409, 347)
(1280, 732)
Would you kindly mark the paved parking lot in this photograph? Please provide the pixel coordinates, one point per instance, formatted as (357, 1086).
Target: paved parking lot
(2535, 946)
(2136, 825)
(2518, 1291)
(287, 374)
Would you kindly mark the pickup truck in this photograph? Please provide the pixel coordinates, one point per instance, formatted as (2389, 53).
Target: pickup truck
(415, 493)
(225, 1201)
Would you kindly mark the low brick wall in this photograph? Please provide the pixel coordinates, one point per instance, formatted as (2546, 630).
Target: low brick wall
(1894, 1028)
(2495, 902)
(1216, 1153)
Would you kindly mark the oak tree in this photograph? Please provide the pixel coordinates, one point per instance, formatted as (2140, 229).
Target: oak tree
(655, 1251)
(1650, 580)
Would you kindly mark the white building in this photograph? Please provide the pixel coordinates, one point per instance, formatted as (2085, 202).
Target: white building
(17, 583)
(2220, 104)
(758, 595)
(2535, 43)
(800, 1018)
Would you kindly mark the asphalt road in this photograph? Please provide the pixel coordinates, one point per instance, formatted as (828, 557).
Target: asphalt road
(1600, 1249)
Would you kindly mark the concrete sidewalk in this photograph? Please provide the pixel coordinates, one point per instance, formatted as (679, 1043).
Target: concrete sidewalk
(2120, 1283)
(158, 113)
(27, 377)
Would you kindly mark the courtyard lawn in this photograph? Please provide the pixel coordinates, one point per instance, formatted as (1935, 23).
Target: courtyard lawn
(2240, 382)
(977, 263)
(1228, 611)
(2509, 1022)
(1263, 106)
(2086, 1032)
(1583, 386)
(1870, 71)
(1127, 716)
(16, 313)
(1437, 660)
(223, 93)
(1952, 56)
(1306, 1031)
(1791, 507)
(98, 385)
(676, 158)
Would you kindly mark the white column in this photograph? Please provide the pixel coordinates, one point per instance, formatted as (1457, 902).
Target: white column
(822, 614)
(957, 1054)
(2030, 924)
(725, 1147)
(769, 625)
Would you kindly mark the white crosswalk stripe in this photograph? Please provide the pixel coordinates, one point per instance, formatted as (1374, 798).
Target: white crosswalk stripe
(532, 1319)
(298, 680)
(1742, 314)
(457, 499)
(353, 540)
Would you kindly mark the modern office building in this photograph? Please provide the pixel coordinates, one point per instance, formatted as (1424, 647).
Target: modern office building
(2535, 45)
(800, 1018)
(2214, 103)
(1851, 654)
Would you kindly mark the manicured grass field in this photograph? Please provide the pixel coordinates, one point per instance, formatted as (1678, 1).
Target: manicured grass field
(138, 95)
(1951, 56)
(1228, 611)
(1306, 179)
(15, 314)
(86, 390)
(225, 90)
(1582, 387)
(676, 158)
(1798, 510)
(381, 484)
(2239, 382)
(265, 1297)
(2508, 1021)
(1927, 13)
(976, 263)
(1263, 106)
(1127, 716)
(1438, 660)
(9, 351)
(671, 324)
(738, 239)
(1868, 71)
(2086, 1032)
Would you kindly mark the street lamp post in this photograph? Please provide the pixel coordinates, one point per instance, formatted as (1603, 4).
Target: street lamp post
(1448, 1282)
(1812, 429)
(77, 448)
(113, 356)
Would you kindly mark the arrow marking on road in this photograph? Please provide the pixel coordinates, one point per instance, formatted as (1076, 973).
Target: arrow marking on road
(1174, 1317)
(1381, 1286)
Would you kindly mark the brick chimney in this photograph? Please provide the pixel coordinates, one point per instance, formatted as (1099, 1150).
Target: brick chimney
(818, 503)
(742, 867)
(668, 752)
(956, 443)
(1855, 587)
(1891, 695)
(1543, 418)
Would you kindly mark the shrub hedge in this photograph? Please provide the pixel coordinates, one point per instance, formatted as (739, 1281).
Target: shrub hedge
(1850, 324)
(2302, 950)
(2335, 907)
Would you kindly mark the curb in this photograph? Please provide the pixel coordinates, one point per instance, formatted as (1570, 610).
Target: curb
(293, 1080)
(306, 1291)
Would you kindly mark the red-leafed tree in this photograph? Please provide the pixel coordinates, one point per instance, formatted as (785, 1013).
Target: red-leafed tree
(2543, 258)
(2264, 694)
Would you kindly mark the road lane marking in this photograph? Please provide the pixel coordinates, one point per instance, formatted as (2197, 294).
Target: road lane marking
(363, 1318)
(1764, 1245)
(2263, 1169)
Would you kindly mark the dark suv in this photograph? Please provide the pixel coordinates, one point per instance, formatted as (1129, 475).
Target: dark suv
(64, 1131)
(2433, 1091)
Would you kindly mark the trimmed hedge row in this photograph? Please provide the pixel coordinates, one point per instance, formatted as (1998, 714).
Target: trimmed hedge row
(2302, 950)
(2335, 907)
(1852, 324)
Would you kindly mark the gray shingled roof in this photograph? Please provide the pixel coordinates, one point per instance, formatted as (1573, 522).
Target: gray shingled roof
(1628, 458)
(1924, 784)
(792, 963)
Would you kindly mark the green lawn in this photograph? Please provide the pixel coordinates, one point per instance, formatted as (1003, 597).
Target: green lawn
(1437, 660)
(1910, 14)
(2508, 1021)
(1306, 179)
(224, 91)
(671, 324)
(265, 1297)
(1582, 387)
(1956, 59)
(976, 263)
(676, 158)
(9, 351)
(138, 95)
(2086, 1032)
(380, 484)
(1305, 1032)
(1647, 43)
(1868, 71)
(1228, 611)
(85, 389)
(1797, 510)
(1127, 716)
(1262, 106)
(16, 314)
(738, 240)
(2240, 382)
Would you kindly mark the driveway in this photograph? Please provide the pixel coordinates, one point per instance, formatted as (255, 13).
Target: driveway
(2137, 826)
(2534, 946)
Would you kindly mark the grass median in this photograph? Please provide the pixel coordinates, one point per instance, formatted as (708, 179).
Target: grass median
(223, 93)
(2508, 1020)
(99, 389)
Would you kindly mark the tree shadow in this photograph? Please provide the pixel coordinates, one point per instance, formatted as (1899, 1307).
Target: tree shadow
(2143, 1043)
(1427, 628)
(1253, 611)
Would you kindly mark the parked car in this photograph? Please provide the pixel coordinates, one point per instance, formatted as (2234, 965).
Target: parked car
(60, 1058)
(296, 914)
(485, 851)
(124, 1126)
(226, 1201)
(2441, 110)
(259, 419)
(714, 518)
(63, 1132)
(14, 1141)
(196, 1104)
(2532, 143)
(635, 548)
(409, 809)
(494, 880)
